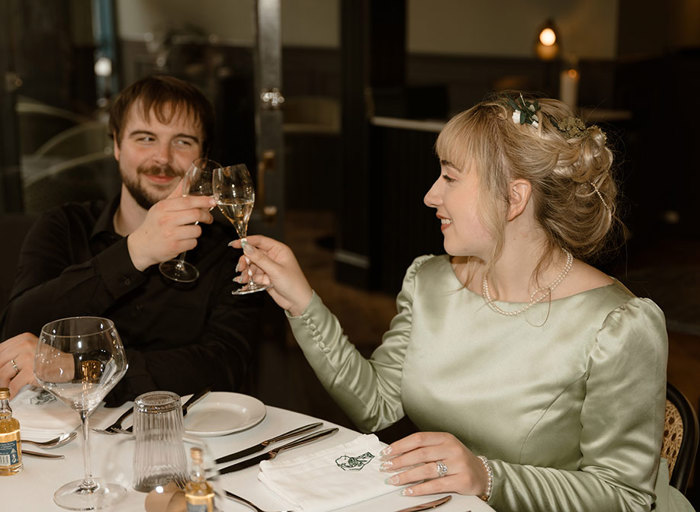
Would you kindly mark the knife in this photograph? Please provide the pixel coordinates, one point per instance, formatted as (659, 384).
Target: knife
(190, 402)
(427, 505)
(41, 454)
(264, 444)
(194, 399)
(273, 453)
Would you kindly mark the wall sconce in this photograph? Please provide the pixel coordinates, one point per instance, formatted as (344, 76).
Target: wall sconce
(547, 41)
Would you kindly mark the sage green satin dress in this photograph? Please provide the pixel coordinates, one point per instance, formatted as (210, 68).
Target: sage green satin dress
(566, 400)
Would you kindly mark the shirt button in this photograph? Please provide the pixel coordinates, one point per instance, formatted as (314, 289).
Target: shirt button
(126, 281)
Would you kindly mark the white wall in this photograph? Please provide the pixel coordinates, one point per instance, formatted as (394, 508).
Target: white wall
(460, 27)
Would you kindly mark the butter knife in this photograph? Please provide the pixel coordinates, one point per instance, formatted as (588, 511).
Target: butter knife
(264, 444)
(190, 402)
(273, 453)
(427, 505)
(41, 454)
(194, 399)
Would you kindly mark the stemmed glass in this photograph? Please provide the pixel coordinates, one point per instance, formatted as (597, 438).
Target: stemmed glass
(80, 359)
(235, 196)
(196, 182)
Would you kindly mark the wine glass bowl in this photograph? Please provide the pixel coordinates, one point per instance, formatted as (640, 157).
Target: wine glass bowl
(79, 360)
(235, 196)
(197, 181)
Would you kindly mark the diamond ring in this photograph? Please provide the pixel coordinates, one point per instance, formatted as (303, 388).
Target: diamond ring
(441, 468)
(14, 365)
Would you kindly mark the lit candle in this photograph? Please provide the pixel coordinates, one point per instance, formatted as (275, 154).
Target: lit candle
(568, 87)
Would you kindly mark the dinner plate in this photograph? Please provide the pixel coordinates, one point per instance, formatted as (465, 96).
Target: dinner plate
(220, 413)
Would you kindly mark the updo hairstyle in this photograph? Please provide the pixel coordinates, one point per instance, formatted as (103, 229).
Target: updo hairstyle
(567, 164)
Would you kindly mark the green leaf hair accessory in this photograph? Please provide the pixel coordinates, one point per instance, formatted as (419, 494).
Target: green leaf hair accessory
(524, 112)
(571, 127)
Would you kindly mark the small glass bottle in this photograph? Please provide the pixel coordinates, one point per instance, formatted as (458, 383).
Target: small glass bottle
(10, 442)
(199, 495)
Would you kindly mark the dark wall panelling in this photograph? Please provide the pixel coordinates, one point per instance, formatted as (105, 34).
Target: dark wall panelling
(403, 167)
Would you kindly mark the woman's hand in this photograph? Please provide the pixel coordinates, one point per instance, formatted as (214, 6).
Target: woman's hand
(419, 454)
(273, 263)
(19, 350)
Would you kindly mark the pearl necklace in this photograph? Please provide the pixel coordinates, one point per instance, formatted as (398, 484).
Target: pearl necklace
(535, 297)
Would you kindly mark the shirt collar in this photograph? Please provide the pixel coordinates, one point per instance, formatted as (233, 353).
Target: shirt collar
(105, 222)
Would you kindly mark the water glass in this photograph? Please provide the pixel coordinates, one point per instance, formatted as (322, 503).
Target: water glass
(159, 454)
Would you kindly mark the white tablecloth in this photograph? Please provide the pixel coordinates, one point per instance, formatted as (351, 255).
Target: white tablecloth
(33, 488)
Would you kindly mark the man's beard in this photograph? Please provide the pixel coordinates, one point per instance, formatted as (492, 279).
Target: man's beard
(142, 197)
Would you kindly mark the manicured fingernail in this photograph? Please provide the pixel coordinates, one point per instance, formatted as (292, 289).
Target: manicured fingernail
(230, 244)
(247, 248)
(386, 451)
(238, 279)
(238, 265)
(407, 491)
(393, 480)
(386, 466)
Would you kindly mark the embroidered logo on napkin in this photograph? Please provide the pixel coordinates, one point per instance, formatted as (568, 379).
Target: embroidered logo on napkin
(44, 397)
(347, 463)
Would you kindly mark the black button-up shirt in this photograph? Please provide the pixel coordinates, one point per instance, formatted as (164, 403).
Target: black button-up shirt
(178, 337)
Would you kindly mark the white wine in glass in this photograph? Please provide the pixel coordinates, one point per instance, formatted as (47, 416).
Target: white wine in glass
(196, 182)
(235, 197)
(79, 360)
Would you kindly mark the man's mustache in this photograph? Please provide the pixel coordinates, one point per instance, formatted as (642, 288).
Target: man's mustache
(159, 171)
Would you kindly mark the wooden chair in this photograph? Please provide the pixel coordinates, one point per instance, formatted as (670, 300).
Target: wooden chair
(680, 443)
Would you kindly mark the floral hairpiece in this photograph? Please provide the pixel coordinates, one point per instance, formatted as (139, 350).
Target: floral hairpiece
(571, 127)
(524, 112)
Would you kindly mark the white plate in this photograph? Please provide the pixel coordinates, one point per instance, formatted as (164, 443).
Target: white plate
(220, 413)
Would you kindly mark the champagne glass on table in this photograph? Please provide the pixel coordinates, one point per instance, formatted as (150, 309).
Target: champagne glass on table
(235, 197)
(196, 182)
(79, 360)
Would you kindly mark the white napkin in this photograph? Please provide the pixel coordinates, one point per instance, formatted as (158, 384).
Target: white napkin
(329, 479)
(41, 416)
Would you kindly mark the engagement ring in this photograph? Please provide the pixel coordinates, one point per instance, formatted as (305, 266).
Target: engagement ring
(441, 468)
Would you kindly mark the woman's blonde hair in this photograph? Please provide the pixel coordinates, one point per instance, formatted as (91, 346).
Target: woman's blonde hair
(567, 164)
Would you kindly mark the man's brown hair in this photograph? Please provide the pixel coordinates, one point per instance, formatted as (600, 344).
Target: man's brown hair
(166, 97)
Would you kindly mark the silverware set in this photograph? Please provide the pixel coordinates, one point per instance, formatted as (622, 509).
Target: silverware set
(416, 508)
(117, 428)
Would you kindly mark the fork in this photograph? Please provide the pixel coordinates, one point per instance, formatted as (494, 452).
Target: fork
(240, 499)
(116, 427)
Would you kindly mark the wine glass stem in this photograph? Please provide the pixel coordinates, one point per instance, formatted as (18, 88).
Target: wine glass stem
(88, 483)
(181, 261)
(244, 241)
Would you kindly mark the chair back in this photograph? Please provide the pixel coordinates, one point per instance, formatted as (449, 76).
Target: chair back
(680, 442)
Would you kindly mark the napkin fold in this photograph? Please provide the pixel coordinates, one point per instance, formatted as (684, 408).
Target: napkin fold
(331, 478)
(41, 415)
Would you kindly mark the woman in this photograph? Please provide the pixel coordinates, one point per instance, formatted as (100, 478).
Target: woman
(538, 381)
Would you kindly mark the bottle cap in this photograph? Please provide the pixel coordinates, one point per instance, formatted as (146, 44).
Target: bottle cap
(4, 393)
(196, 454)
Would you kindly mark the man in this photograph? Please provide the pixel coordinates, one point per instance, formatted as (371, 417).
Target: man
(102, 259)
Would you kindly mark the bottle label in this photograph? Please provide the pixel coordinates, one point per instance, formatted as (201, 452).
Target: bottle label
(9, 454)
(200, 503)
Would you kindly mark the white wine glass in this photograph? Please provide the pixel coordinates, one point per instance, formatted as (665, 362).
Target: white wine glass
(196, 182)
(235, 197)
(79, 360)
